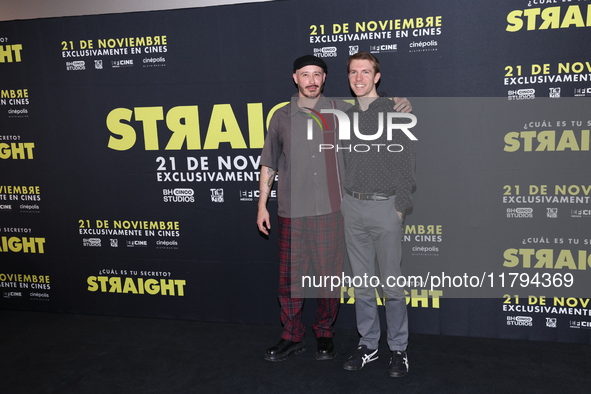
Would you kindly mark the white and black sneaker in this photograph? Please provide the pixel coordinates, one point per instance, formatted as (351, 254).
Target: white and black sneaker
(398, 364)
(362, 356)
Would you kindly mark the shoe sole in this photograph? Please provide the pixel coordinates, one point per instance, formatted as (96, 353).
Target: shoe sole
(325, 356)
(354, 368)
(396, 374)
(301, 347)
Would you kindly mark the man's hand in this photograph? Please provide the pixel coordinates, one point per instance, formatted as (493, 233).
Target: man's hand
(263, 221)
(402, 105)
(400, 215)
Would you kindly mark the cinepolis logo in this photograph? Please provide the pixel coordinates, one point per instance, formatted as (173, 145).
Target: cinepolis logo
(344, 130)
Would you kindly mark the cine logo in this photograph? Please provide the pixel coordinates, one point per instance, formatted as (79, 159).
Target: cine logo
(344, 130)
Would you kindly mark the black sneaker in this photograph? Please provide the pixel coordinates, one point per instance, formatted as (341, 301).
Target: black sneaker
(362, 356)
(398, 364)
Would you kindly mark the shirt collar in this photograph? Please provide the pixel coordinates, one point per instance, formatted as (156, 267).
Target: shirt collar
(321, 103)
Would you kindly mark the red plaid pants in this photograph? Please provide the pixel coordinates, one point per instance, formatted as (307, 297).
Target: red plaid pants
(311, 245)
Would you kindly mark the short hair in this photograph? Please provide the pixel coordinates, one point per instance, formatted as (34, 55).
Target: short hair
(365, 56)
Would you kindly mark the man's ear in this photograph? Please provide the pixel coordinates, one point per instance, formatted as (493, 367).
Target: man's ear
(377, 78)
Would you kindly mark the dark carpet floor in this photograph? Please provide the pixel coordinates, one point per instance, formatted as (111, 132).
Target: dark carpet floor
(65, 353)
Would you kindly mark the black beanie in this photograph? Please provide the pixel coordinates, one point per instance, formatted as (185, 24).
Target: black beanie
(309, 60)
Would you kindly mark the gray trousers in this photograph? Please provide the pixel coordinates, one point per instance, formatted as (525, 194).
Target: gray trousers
(373, 234)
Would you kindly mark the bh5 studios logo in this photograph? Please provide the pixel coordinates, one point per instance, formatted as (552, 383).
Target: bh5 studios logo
(393, 122)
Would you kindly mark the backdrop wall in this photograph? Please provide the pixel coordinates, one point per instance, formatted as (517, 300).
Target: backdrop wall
(129, 149)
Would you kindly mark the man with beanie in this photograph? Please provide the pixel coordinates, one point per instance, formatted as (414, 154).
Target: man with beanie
(309, 195)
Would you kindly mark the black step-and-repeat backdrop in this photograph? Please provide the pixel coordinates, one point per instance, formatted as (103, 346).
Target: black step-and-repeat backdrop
(130, 143)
